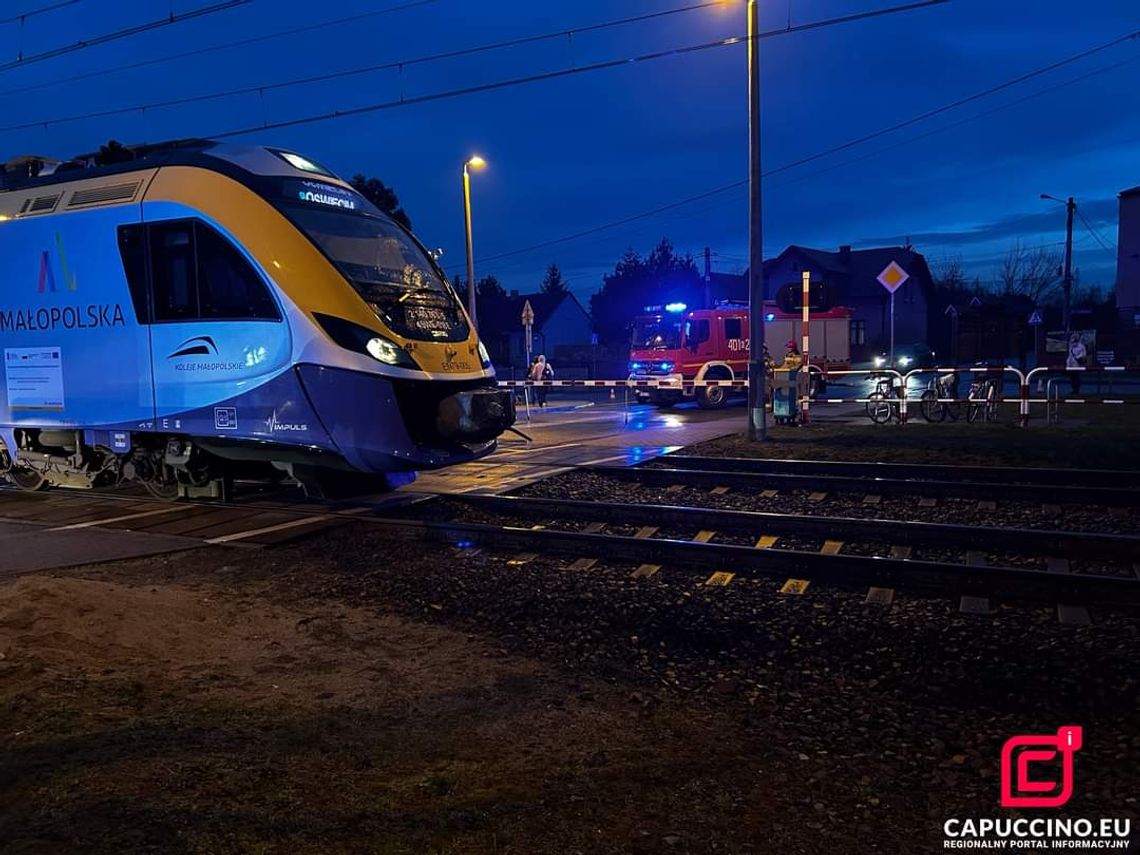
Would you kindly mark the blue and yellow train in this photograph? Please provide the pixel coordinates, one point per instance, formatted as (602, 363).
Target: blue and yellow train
(206, 310)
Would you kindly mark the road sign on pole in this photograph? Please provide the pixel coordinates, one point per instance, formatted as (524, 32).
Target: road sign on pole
(1035, 318)
(892, 278)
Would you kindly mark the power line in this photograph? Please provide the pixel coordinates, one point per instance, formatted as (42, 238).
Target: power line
(1096, 236)
(22, 60)
(841, 147)
(401, 64)
(214, 48)
(33, 12)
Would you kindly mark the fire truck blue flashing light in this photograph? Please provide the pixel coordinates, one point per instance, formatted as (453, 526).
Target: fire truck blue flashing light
(666, 366)
(675, 307)
(771, 316)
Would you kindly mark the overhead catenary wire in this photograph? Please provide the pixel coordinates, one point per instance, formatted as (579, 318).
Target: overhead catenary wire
(400, 64)
(137, 29)
(171, 57)
(724, 188)
(31, 13)
(368, 69)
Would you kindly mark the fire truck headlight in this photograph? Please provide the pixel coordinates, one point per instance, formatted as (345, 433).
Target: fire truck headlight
(880, 362)
(634, 366)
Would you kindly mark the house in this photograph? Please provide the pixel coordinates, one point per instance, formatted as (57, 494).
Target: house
(1128, 275)
(851, 278)
(559, 321)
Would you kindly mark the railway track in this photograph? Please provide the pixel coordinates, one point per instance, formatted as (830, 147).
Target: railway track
(884, 554)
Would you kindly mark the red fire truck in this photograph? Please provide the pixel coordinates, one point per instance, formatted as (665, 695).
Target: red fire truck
(671, 345)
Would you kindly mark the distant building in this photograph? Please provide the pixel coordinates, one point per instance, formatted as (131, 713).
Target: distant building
(1128, 275)
(851, 277)
(559, 321)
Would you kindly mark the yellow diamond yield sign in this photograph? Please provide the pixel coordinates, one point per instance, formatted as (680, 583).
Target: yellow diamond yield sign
(893, 277)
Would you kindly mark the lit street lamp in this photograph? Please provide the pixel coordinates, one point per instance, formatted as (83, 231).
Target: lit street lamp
(474, 162)
(1071, 208)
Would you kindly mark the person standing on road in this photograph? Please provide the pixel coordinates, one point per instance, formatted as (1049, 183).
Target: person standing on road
(1077, 358)
(539, 372)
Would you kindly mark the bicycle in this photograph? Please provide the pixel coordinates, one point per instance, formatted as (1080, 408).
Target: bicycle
(934, 403)
(883, 404)
(982, 402)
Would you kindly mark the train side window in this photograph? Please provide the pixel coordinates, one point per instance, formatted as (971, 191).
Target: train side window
(732, 328)
(174, 273)
(228, 287)
(132, 249)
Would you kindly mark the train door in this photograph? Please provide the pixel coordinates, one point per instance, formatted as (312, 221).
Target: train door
(218, 338)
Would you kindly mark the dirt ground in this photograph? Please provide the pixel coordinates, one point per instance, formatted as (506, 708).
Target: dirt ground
(358, 694)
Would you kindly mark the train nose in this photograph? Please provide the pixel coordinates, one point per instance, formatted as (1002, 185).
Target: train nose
(476, 415)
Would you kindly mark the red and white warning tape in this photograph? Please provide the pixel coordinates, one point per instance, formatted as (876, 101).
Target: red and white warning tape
(631, 384)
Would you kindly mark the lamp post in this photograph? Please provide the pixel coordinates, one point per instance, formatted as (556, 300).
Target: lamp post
(1066, 306)
(473, 162)
(757, 378)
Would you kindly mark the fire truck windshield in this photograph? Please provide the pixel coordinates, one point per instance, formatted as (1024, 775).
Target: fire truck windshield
(655, 334)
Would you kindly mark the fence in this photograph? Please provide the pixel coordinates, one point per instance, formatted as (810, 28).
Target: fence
(900, 384)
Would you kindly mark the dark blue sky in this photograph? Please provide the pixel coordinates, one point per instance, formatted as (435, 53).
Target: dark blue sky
(583, 151)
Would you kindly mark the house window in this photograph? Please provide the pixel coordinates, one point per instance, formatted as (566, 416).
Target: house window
(858, 332)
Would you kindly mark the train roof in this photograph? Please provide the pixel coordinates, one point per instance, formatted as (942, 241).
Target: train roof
(29, 171)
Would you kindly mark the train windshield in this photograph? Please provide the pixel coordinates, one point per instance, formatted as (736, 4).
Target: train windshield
(655, 334)
(373, 253)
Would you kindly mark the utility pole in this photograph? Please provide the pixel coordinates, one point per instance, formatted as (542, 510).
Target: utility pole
(708, 277)
(757, 380)
(1071, 208)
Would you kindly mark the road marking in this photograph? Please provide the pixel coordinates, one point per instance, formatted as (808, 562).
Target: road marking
(831, 547)
(880, 596)
(719, 579)
(610, 459)
(583, 564)
(795, 586)
(900, 551)
(243, 535)
(1073, 615)
(646, 531)
(704, 536)
(122, 518)
(645, 570)
(974, 605)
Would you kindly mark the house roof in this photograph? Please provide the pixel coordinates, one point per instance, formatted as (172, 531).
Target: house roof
(503, 315)
(860, 267)
(1134, 191)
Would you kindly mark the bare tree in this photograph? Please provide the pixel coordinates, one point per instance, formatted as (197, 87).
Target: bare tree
(1033, 273)
(950, 276)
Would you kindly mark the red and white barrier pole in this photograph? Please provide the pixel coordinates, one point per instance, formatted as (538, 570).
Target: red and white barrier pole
(805, 361)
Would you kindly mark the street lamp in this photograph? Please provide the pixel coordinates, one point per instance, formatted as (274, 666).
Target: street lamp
(474, 162)
(1071, 208)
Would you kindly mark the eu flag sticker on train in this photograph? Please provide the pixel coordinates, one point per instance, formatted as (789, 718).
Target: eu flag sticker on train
(33, 378)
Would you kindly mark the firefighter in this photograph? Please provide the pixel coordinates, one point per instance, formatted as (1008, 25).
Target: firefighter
(792, 357)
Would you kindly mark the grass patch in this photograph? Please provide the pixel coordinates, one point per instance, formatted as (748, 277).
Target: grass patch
(1090, 436)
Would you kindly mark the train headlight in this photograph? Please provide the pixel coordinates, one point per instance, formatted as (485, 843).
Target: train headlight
(386, 351)
(484, 357)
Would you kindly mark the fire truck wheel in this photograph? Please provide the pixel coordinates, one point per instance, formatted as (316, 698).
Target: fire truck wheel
(712, 397)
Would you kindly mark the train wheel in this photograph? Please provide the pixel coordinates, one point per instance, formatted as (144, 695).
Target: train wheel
(28, 479)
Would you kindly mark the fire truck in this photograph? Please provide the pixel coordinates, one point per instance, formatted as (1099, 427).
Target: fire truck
(671, 345)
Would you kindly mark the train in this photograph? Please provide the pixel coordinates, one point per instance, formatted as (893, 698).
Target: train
(191, 312)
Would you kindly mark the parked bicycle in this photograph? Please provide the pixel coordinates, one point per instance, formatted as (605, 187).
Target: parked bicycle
(941, 398)
(883, 403)
(985, 395)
